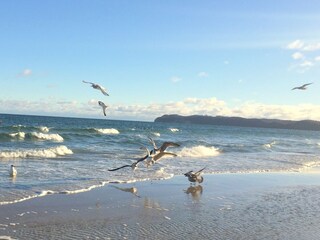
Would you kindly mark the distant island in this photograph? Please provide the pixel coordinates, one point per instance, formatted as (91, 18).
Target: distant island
(241, 122)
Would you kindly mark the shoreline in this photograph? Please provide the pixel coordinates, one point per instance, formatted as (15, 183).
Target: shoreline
(45, 193)
(224, 206)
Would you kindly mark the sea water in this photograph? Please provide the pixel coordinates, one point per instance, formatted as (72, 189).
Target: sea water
(70, 155)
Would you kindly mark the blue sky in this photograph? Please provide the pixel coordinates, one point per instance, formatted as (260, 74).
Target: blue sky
(232, 58)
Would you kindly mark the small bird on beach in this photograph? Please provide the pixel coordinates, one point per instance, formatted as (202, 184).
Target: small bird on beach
(303, 87)
(104, 107)
(98, 87)
(195, 177)
(13, 171)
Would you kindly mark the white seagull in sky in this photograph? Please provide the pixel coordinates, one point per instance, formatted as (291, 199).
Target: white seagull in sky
(13, 171)
(303, 87)
(104, 107)
(98, 87)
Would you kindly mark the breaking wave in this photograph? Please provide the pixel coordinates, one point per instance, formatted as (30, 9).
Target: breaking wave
(107, 130)
(47, 153)
(199, 151)
(174, 129)
(43, 136)
(38, 136)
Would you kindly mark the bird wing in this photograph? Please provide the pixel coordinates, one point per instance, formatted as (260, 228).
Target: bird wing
(198, 173)
(87, 82)
(304, 85)
(115, 169)
(153, 143)
(295, 88)
(161, 154)
(165, 145)
(103, 90)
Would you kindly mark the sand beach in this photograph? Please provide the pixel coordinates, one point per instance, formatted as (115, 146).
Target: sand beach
(224, 206)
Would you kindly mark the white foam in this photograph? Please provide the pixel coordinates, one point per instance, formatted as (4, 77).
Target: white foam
(44, 129)
(199, 151)
(156, 134)
(107, 130)
(51, 137)
(47, 153)
(174, 129)
(269, 145)
(43, 193)
(20, 135)
(6, 238)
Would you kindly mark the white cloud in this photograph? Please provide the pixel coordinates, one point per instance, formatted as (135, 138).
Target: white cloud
(175, 79)
(297, 44)
(203, 74)
(317, 58)
(306, 64)
(312, 47)
(297, 56)
(26, 73)
(188, 106)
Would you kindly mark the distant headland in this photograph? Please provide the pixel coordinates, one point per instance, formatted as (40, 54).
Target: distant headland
(241, 122)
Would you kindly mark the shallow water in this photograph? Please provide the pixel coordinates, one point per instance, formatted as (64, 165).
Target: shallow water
(69, 155)
(225, 206)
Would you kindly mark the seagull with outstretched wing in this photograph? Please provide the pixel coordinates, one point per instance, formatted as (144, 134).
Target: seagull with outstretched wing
(98, 87)
(195, 177)
(303, 87)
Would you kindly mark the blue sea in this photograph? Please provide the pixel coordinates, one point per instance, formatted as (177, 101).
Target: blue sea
(70, 155)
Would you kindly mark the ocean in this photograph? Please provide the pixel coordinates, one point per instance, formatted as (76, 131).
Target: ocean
(70, 155)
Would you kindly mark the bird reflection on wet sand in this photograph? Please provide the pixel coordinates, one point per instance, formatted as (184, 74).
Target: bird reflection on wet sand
(132, 190)
(195, 191)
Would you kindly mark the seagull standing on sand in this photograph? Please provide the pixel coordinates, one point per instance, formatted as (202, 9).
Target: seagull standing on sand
(195, 177)
(303, 87)
(104, 107)
(13, 171)
(98, 87)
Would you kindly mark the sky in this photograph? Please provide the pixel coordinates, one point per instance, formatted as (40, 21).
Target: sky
(204, 57)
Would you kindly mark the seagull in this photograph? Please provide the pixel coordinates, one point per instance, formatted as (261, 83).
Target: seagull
(156, 156)
(135, 164)
(163, 147)
(303, 87)
(195, 177)
(13, 171)
(104, 107)
(98, 87)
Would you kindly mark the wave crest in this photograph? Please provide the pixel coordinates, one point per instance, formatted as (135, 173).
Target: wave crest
(199, 151)
(43, 136)
(174, 129)
(47, 153)
(107, 130)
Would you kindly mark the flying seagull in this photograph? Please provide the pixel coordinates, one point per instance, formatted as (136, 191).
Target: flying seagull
(13, 171)
(163, 147)
(98, 87)
(104, 107)
(133, 165)
(156, 153)
(303, 87)
(195, 177)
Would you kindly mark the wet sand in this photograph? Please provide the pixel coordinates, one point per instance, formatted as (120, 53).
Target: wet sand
(224, 206)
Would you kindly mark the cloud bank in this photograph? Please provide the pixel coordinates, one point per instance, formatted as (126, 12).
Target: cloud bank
(148, 112)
